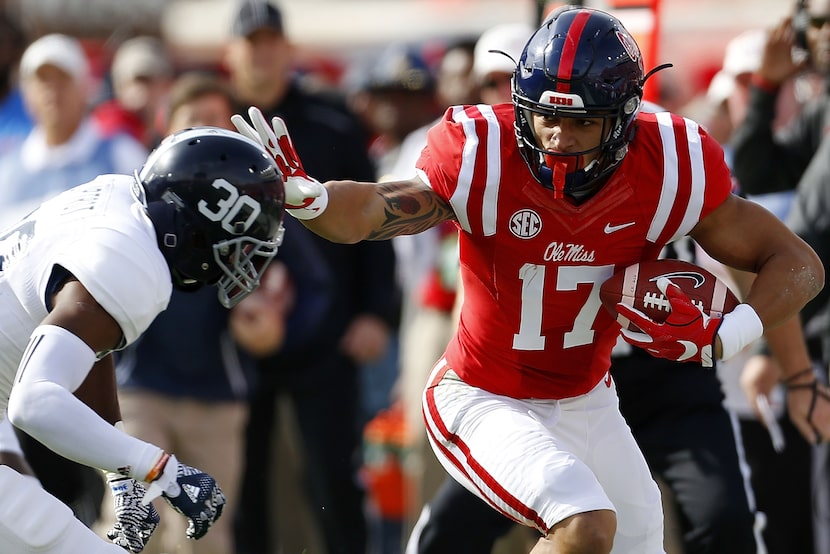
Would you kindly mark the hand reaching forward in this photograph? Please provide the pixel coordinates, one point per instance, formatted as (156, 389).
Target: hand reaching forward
(305, 197)
(687, 334)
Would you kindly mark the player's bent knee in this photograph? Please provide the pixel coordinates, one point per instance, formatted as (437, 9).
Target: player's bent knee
(33, 521)
(585, 533)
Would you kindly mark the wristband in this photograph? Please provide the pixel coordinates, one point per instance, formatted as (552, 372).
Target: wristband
(739, 328)
(157, 469)
(313, 209)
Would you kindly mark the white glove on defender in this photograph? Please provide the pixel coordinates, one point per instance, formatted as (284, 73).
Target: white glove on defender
(305, 197)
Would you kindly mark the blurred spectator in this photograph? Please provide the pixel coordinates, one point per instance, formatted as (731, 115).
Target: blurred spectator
(427, 271)
(780, 477)
(320, 372)
(424, 333)
(796, 157)
(64, 148)
(15, 122)
(200, 99)
(141, 74)
(496, 53)
(184, 383)
(400, 92)
(455, 82)
(396, 96)
(454, 85)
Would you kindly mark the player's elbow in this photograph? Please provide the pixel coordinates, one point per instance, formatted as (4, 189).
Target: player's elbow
(812, 274)
(30, 404)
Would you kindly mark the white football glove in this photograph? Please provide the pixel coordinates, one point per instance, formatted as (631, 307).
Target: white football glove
(191, 492)
(134, 521)
(305, 197)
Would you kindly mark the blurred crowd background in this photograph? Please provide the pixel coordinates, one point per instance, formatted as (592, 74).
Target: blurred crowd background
(332, 35)
(144, 69)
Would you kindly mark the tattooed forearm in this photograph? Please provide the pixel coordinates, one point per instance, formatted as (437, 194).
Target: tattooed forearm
(409, 210)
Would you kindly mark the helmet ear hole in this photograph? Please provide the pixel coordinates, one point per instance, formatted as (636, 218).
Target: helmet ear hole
(631, 105)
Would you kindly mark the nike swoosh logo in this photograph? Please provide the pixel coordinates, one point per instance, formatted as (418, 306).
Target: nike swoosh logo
(690, 349)
(614, 228)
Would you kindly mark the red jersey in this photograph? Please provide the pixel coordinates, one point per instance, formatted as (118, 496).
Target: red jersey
(532, 325)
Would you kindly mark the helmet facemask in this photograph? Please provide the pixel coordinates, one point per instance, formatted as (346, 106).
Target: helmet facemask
(581, 63)
(216, 201)
(566, 173)
(243, 261)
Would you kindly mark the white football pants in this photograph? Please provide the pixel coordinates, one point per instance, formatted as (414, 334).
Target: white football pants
(33, 521)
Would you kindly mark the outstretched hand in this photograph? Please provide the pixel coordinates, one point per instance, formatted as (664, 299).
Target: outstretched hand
(301, 191)
(687, 335)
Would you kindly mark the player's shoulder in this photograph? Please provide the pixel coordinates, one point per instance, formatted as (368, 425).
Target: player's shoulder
(664, 125)
(473, 121)
(113, 252)
(651, 123)
(668, 139)
(501, 113)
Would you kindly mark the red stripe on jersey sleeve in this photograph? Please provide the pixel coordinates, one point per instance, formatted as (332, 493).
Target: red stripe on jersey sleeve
(658, 164)
(475, 153)
(458, 159)
(440, 159)
(684, 179)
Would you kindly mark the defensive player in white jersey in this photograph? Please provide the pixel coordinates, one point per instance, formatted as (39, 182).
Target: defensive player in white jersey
(84, 275)
(551, 195)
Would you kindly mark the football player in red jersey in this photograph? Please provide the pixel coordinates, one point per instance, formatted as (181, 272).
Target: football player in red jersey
(551, 194)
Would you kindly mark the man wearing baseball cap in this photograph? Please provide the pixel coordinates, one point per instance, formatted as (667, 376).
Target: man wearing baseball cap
(321, 372)
(496, 53)
(255, 15)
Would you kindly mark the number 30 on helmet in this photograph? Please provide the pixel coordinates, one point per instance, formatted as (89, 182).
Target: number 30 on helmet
(216, 201)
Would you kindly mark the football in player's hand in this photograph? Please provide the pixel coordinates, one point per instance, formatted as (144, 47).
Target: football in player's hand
(636, 286)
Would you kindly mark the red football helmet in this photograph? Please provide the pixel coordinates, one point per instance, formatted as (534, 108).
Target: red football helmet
(580, 63)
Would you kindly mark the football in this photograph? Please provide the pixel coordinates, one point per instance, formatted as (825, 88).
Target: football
(636, 286)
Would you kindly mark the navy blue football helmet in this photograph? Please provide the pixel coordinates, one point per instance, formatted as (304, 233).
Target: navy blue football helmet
(216, 201)
(580, 63)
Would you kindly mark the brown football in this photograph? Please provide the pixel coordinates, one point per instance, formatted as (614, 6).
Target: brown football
(636, 286)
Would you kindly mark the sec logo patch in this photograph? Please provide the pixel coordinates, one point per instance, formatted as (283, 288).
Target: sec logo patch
(525, 224)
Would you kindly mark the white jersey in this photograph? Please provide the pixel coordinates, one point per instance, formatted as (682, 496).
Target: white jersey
(100, 233)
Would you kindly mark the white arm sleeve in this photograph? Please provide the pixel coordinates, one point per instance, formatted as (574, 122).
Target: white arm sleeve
(41, 403)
